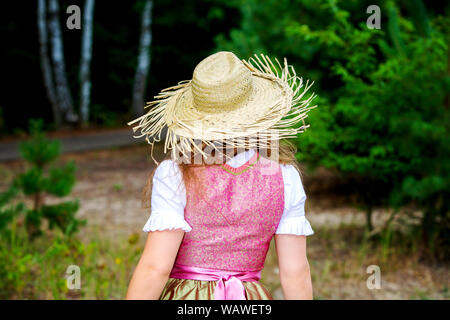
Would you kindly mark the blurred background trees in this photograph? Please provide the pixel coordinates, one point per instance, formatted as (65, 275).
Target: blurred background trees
(140, 78)
(180, 35)
(85, 64)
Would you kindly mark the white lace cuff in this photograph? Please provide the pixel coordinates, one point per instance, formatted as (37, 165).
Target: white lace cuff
(166, 221)
(295, 225)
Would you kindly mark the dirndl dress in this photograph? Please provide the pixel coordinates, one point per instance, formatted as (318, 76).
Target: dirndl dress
(228, 228)
(187, 289)
(232, 226)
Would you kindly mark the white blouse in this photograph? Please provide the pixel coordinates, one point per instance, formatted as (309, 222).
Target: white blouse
(169, 199)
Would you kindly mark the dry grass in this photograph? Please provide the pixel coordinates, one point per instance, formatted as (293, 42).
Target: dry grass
(339, 258)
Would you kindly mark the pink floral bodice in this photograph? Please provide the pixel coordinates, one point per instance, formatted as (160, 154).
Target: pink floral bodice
(234, 217)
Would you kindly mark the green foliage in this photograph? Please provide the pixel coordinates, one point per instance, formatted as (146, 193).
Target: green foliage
(39, 150)
(61, 180)
(392, 129)
(31, 181)
(312, 35)
(62, 216)
(37, 269)
(44, 178)
(382, 120)
(9, 211)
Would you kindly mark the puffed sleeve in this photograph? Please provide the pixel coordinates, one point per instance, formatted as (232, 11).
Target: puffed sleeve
(293, 220)
(168, 199)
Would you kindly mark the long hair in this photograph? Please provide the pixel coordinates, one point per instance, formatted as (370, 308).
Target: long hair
(193, 181)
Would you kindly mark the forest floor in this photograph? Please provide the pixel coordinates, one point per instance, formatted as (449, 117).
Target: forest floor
(109, 184)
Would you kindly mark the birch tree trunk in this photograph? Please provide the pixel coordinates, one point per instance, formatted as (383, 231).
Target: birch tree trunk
(85, 64)
(45, 61)
(140, 79)
(63, 95)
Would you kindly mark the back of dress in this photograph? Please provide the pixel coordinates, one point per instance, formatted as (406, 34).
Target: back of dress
(234, 216)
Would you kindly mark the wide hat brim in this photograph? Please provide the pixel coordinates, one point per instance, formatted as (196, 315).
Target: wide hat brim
(267, 103)
(273, 110)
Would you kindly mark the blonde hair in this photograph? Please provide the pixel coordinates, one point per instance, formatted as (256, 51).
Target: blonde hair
(192, 181)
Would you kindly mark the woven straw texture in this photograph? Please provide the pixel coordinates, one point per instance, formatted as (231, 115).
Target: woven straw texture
(244, 104)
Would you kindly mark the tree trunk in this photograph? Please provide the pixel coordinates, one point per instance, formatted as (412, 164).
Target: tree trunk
(85, 64)
(369, 223)
(45, 61)
(140, 79)
(63, 95)
(37, 201)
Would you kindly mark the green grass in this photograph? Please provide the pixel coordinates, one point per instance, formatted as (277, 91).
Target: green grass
(117, 187)
(37, 270)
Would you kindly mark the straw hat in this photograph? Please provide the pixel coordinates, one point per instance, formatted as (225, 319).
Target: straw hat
(230, 101)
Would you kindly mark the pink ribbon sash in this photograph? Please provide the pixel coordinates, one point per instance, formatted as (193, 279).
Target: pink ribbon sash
(229, 283)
